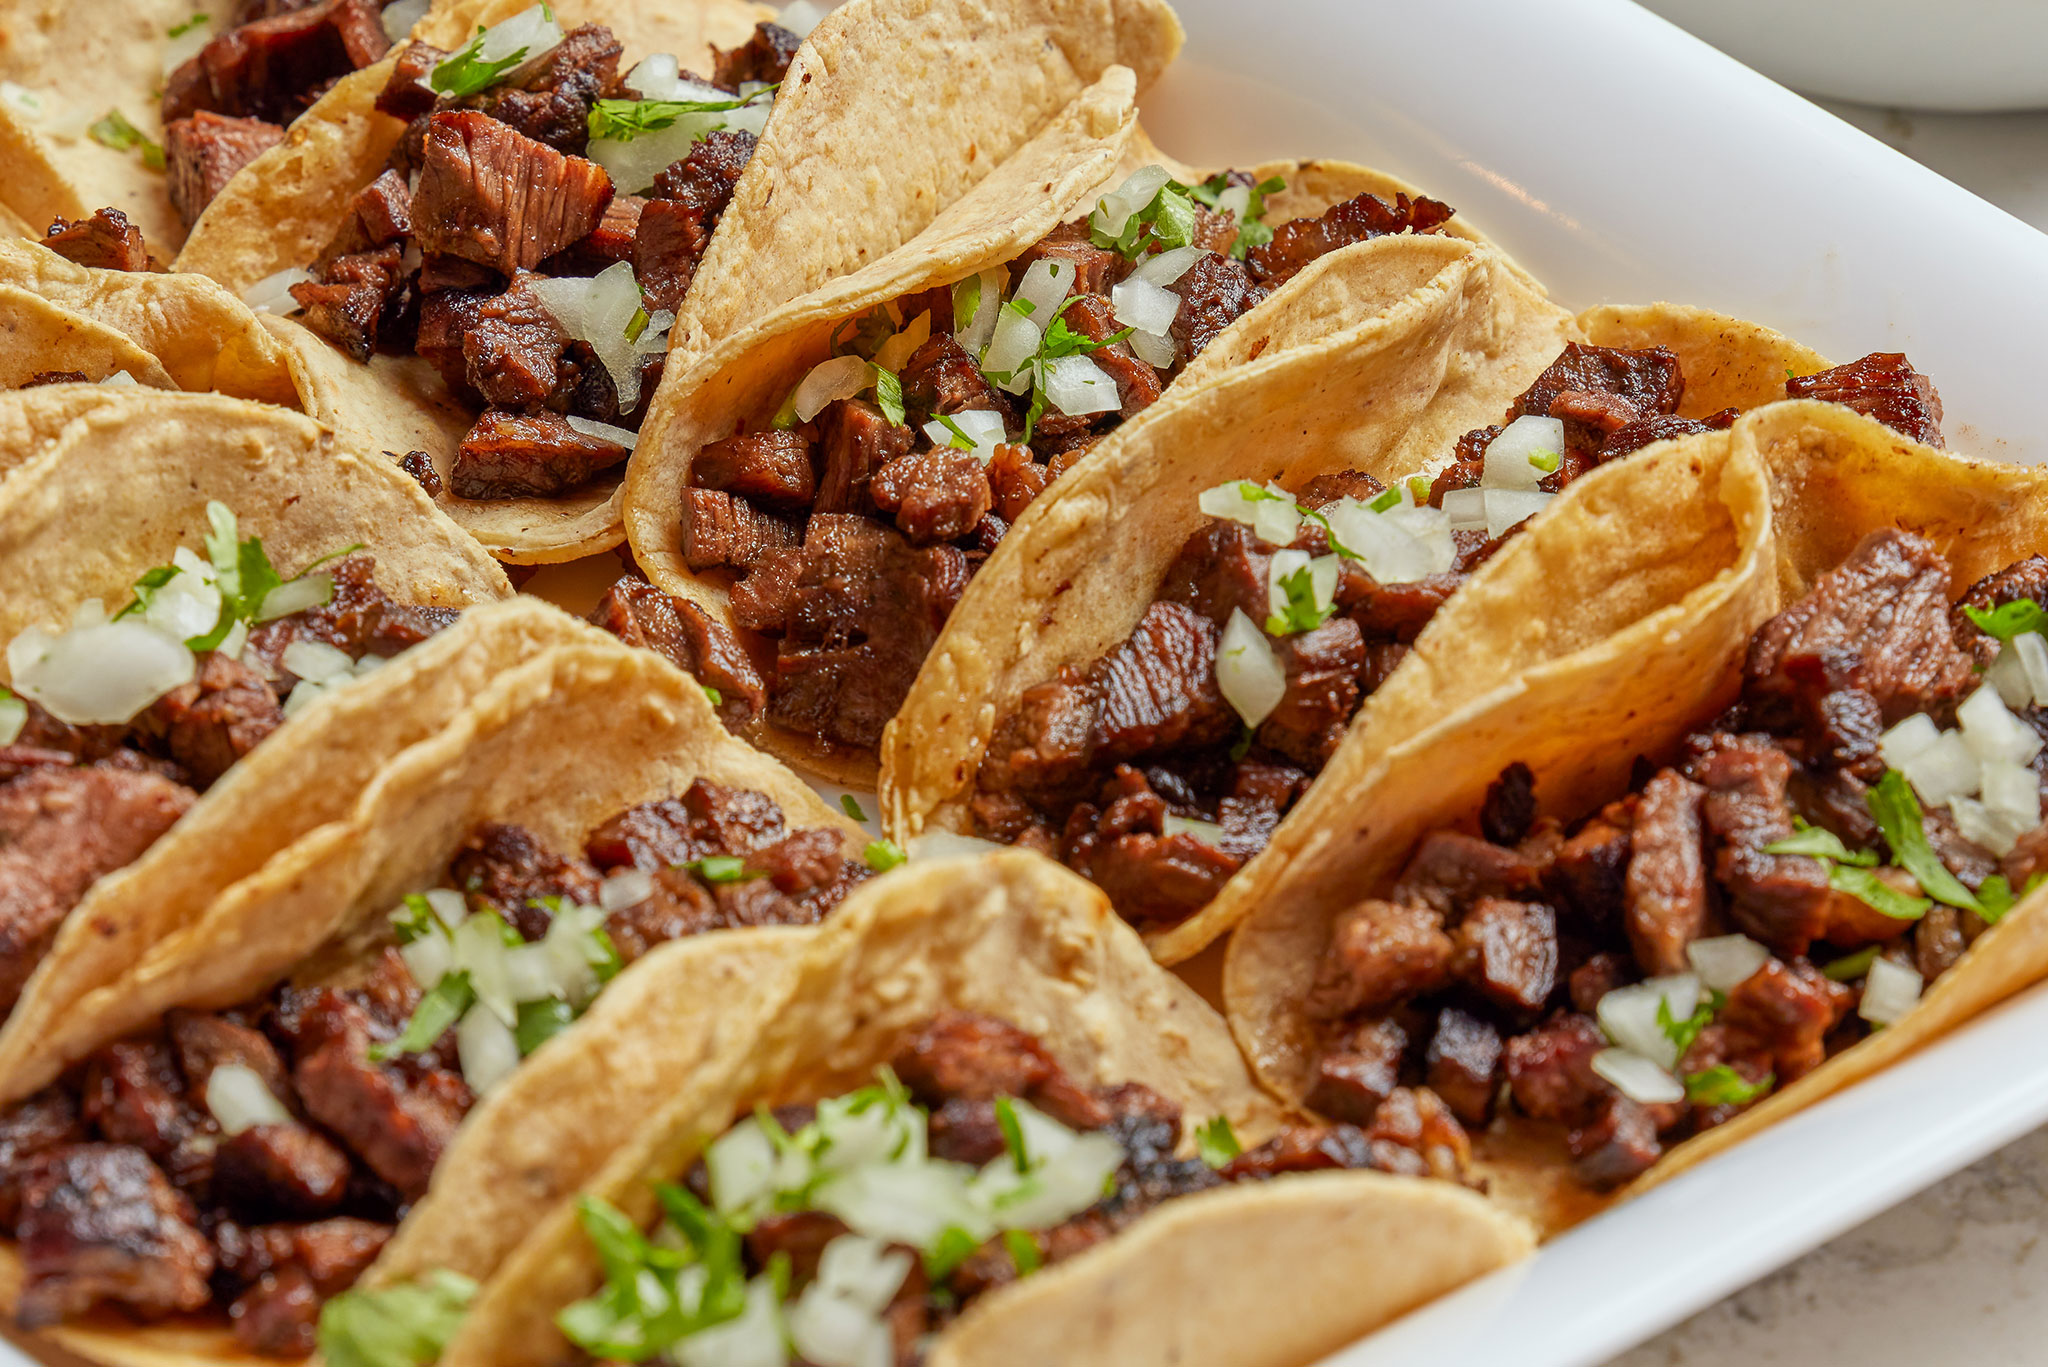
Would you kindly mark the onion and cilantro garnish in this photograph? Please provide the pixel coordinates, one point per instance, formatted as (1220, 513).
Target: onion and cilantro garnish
(636, 139)
(407, 1325)
(683, 1291)
(494, 52)
(106, 670)
(113, 130)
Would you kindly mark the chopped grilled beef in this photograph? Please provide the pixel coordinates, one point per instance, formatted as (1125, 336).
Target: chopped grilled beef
(1641, 432)
(510, 870)
(100, 1224)
(2024, 579)
(1451, 870)
(1598, 391)
(274, 67)
(1510, 806)
(720, 529)
(551, 102)
(536, 455)
(1867, 646)
(283, 1169)
(276, 1313)
(513, 349)
(771, 468)
(28, 1129)
(223, 714)
(1016, 480)
(491, 195)
(677, 222)
(43, 377)
(1620, 1144)
(1138, 385)
(1078, 264)
(1787, 1010)
(360, 619)
(936, 495)
(967, 1056)
(1882, 385)
(61, 830)
(1312, 716)
(104, 241)
(1464, 1064)
(707, 819)
(1381, 954)
(1666, 887)
(407, 95)
(204, 1041)
(1356, 1074)
(420, 466)
(1300, 241)
(1214, 293)
(642, 615)
(856, 439)
(610, 243)
(1780, 899)
(1550, 1070)
(1590, 873)
(1508, 951)
(941, 377)
(350, 298)
(765, 57)
(381, 213)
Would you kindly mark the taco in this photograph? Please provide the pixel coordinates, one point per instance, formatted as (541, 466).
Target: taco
(521, 346)
(1643, 898)
(830, 478)
(1178, 655)
(974, 1123)
(263, 1103)
(146, 110)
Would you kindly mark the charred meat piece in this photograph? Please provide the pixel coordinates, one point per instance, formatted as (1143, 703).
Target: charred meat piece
(380, 214)
(1550, 1070)
(1358, 1072)
(1464, 1064)
(2026, 578)
(1867, 646)
(1598, 391)
(721, 529)
(1321, 666)
(934, 495)
(855, 439)
(1882, 385)
(274, 67)
(1154, 879)
(1380, 955)
(397, 1120)
(491, 195)
(1158, 688)
(100, 1224)
(1508, 951)
(1222, 568)
(1634, 436)
(359, 620)
(1785, 1010)
(285, 1169)
(1214, 293)
(707, 819)
(407, 95)
(104, 241)
(1138, 385)
(509, 869)
(971, 1057)
(642, 615)
(1780, 899)
(678, 220)
(421, 467)
(513, 349)
(1590, 873)
(1300, 241)
(223, 714)
(1016, 480)
(61, 830)
(538, 455)
(43, 377)
(350, 298)
(765, 57)
(552, 103)
(1620, 1144)
(1666, 888)
(772, 468)
(1078, 263)
(204, 1041)
(1451, 870)
(29, 1129)
(940, 377)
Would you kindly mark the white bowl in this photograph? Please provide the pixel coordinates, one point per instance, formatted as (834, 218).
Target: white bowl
(1915, 54)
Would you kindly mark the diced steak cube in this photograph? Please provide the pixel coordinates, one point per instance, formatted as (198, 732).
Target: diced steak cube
(642, 615)
(934, 495)
(104, 241)
(1380, 955)
(1508, 950)
(539, 455)
(100, 1224)
(1882, 385)
(771, 468)
(1358, 1072)
(719, 529)
(493, 196)
(1300, 241)
(1666, 889)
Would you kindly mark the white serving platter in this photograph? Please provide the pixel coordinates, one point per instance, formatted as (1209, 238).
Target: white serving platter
(1623, 161)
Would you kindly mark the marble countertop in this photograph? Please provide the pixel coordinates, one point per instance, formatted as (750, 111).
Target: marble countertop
(1949, 1277)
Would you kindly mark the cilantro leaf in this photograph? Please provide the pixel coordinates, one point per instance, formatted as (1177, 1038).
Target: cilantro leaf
(1821, 843)
(1391, 498)
(1251, 229)
(394, 1326)
(112, 129)
(870, 330)
(953, 1247)
(439, 1008)
(540, 1021)
(1216, 1142)
(1023, 1247)
(889, 394)
(1897, 813)
(712, 695)
(959, 440)
(2008, 620)
(181, 29)
(1167, 221)
(1875, 893)
(1997, 897)
(1850, 967)
(721, 868)
(1683, 1032)
(1721, 1085)
(1302, 612)
(625, 120)
(416, 920)
(466, 72)
(1544, 460)
(1013, 1133)
(850, 804)
(883, 855)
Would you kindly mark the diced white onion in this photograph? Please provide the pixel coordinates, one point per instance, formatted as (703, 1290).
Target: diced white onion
(240, 1100)
(1154, 349)
(1889, 992)
(1076, 386)
(600, 311)
(21, 100)
(741, 1166)
(184, 47)
(906, 1204)
(1248, 674)
(1013, 344)
(2032, 650)
(487, 1048)
(449, 905)
(481, 953)
(121, 379)
(1163, 268)
(842, 377)
(1275, 520)
(1726, 960)
(755, 1339)
(604, 431)
(660, 77)
(186, 606)
(1398, 546)
(1509, 508)
(634, 163)
(832, 1332)
(1944, 771)
(1046, 282)
(1637, 1078)
(984, 427)
(1909, 740)
(801, 16)
(1992, 732)
(1278, 569)
(102, 673)
(1208, 832)
(862, 1270)
(1057, 1190)
(428, 958)
(1465, 509)
(974, 333)
(296, 595)
(1144, 306)
(526, 35)
(1235, 201)
(317, 661)
(1508, 455)
(273, 293)
(569, 945)
(1114, 209)
(626, 888)
(2013, 791)
(529, 973)
(891, 355)
(401, 16)
(1628, 1015)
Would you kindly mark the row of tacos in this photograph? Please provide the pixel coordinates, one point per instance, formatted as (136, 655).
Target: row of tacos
(1590, 750)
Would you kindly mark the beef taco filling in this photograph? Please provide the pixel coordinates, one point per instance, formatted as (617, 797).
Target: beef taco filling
(851, 1229)
(1162, 768)
(851, 519)
(1791, 881)
(117, 723)
(255, 1160)
(538, 224)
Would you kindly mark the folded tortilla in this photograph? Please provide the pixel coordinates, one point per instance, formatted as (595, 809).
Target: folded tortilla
(898, 107)
(1623, 615)
(1314, 1262)
(580, 729)
(1391, 350)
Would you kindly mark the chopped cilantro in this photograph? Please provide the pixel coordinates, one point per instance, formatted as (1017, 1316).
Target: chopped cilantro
(540, 1021)
(1821, 843)
(1251, 229)
(113, 130)
(1391, 498)
(1996, 895)
(439, 1008)
(849, 804)
(870, 330)
(883, 855)
(625, 120)
(1544, 460)
(1243, 745)
(721, 868)
(466, 72)
(1683, 1032)
(1057, 342)
(637, 324)
(953, 1247)
(1013, 1133)
(1850, 967)
(394, 1326)
(642, 1310)
(1302, 612)
(889, 394)
(1216, 1142)
(1023, 1247)
(1897, 813)
(712, 695)
(1721, 1085)
(1790, 373)
(181, 29)
(1419, 487)
(1167, 221)
(416, 919)
(959, 440)
(1875, 893)
(2008, 620)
